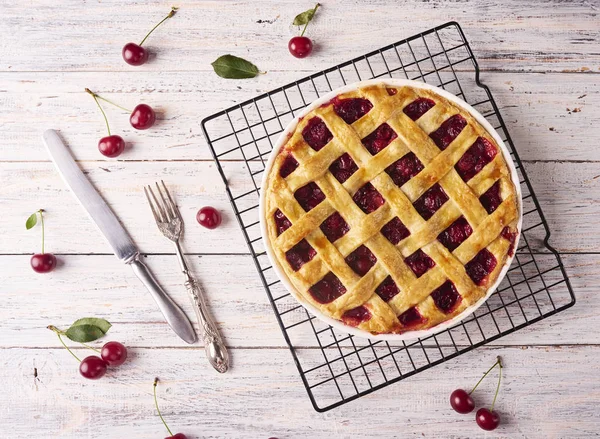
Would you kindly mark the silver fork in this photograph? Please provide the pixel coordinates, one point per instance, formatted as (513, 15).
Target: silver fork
(169, 221)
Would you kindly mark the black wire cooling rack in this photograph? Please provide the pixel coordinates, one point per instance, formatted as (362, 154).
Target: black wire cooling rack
(334, 366)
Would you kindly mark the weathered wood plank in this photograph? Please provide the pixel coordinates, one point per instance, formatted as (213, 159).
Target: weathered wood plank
(100, 285)
(534, 106)
(262, 396)
(565, 191)
(553, 36)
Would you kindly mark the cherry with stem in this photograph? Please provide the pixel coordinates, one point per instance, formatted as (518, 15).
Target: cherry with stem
(173, 436)
(142, 117)
(489, 419)
(461, 401)
(40, 262)
(135, 54)
(302, 46)
(111, 145)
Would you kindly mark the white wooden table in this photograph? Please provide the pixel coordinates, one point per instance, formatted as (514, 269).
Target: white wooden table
(539, 58)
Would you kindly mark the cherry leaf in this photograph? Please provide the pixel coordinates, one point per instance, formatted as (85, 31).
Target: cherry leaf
(31, 221)
(88, 329)
(233, 67)
(305, 17)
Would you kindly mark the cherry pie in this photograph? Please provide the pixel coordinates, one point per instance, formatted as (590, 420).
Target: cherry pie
(390, 209)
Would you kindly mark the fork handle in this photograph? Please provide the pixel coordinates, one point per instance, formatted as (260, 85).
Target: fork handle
(216, 351)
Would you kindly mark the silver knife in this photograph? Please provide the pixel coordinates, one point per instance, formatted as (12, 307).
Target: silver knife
(116, 235)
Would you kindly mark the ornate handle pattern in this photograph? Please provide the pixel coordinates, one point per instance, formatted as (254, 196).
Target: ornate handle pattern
(213, 344)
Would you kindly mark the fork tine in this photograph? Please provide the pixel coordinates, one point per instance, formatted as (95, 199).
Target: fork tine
(156, 216)
(174, 207)
(163, 216)
(165, 205)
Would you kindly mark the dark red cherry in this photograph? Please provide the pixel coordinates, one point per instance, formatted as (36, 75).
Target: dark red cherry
(92, 367)
(43, 262)
(209, 217)
(300, 47)
(177, 436)
(111, 146)
(461, 401)
(142, 117)
(487, 420)
(114, 353)
(134, 54)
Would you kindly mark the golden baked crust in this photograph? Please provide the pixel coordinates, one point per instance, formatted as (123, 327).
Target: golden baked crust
(360, 305)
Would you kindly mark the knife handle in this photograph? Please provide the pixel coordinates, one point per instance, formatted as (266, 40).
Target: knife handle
(175, 317)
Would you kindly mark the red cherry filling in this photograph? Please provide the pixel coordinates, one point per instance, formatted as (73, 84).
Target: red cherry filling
(334, 227)
(343, 167)
(391, 91)
(481, 266)
(477, 156)
(490, 200)
(351, 109)
(411, 317)
(418, 108)
(448, 131)
(454, 235)
(300, 254)
(355, 316)
(419, 262)
(281, 222)
(387, 289)
(404, 169)
(288, 166)
(316, 134)
(510, 236)
(431, 201)
(395, 231)
(368, 198)
(327, 289)
(361, 260)
(379, 139)
(446, 298)
(309, 196)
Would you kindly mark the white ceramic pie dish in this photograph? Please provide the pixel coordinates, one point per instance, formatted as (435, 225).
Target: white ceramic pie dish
(336, 323)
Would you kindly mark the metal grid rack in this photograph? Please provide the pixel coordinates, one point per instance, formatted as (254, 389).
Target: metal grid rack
(334, 366)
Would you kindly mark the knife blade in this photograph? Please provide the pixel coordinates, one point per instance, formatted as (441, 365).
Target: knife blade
(115, 234)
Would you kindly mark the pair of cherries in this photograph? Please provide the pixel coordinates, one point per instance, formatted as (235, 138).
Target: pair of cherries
(461, 402)
(112, 354)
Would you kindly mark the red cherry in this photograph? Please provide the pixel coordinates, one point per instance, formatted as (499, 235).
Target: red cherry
(177, 436)
(114, 353)
(209, 217)
(134, 54)
(461, 401)
(300, 47)
(487, 420)
(43, 262)
(92, 367)
(111, 146)
(142, 117)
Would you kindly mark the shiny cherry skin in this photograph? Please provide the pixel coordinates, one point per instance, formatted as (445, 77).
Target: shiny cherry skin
(134, 54)
(177, 436)
(111, 146)
(300, 47)
(114, 353)
(92, 367)
(142, 117)
(209, 217)
(487, 420)
(43, 262)
(461, 401)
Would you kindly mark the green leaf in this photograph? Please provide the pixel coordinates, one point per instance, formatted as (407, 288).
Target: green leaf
(232, 67)
(305, 17)
(88, 329)
(31, 221)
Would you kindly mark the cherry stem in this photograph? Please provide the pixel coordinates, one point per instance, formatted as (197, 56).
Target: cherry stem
(498, 387)
(158, 410)
(58, 333)
(171, 13)
(99, 106)
(313, 14)
(484, 375)
(106, 100)
(42, 220)
(89, 347)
